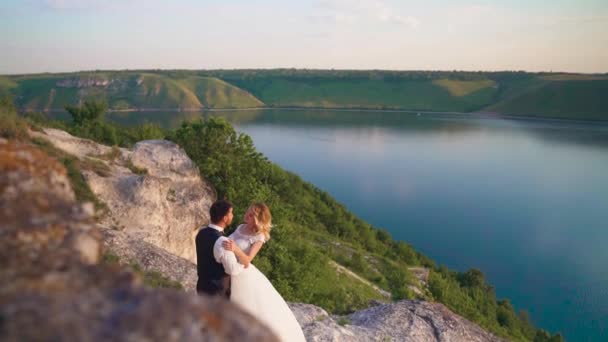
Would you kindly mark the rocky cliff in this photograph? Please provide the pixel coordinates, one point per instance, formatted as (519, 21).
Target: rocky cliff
(153, 192)
(151, 218)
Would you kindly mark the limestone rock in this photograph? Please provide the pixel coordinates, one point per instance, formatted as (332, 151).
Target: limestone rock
(164, 205)
(151, 258)
(319, 326)
(51, 287)
(164, 159)
(401, 321)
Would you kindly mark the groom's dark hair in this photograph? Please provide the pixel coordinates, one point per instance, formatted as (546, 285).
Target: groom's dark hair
(218, 210)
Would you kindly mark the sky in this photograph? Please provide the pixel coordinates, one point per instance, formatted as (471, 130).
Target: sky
(531, 35)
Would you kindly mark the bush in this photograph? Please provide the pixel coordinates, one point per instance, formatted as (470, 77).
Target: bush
(88, 112)
(11, 126)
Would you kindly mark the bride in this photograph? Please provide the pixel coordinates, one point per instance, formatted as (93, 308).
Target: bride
(251, 289)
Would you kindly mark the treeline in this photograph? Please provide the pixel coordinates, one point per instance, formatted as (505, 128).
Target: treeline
(342, 74)
(310, 227)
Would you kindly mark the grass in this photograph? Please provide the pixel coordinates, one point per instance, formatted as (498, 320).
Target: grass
(462, 88)
(215, 93)
(95, 165)
(136, 170)
(73, 166)
(110, 156)
(344, 321)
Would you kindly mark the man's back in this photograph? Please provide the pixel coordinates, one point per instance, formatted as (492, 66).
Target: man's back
(212, 279)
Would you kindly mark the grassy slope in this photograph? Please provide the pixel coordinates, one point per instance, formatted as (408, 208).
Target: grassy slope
(568, 99)
(372, 93)
(130, 90)
(216, 93)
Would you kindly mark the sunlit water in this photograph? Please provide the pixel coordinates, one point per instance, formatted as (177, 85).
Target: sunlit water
(524, 201)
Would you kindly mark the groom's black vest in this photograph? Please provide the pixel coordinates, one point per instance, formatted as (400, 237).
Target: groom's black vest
(212, 279)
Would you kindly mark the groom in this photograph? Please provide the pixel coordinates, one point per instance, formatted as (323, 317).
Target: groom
(215, 265)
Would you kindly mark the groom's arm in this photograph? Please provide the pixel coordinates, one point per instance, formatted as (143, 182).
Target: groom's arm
(226, 258)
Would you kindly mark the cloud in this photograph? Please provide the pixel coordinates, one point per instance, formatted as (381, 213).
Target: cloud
(352, 11)
(83, 4)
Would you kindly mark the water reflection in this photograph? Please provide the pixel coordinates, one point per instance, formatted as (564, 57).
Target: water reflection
(555, 131)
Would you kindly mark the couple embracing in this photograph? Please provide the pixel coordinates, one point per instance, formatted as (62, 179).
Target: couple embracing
(225, 269)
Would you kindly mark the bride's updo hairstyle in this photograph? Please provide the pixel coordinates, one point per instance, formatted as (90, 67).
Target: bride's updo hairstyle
(262, 218)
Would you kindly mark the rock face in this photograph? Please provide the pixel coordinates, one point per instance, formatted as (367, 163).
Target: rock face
(151, 258)
(52, 287)
(401, 321)
(82, 83)
(164, 203)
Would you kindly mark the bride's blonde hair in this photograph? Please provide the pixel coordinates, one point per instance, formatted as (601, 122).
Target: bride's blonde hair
(262, 218)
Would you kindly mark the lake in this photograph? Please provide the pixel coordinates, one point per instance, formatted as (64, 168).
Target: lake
(525, 201)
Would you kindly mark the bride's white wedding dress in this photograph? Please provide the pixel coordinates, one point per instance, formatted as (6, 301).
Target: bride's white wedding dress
(253, 292)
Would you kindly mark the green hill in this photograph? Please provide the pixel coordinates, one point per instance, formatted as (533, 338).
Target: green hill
(372, 92)
(125, 90)
(557, 97)
(572, 96)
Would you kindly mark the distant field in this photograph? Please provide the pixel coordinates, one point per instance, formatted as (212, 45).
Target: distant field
(443, 95)
(463, 88)
(559, 95)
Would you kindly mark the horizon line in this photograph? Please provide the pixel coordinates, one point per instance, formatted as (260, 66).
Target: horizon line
(309, 69)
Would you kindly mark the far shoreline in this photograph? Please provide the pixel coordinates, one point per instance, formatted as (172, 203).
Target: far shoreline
(475, 114)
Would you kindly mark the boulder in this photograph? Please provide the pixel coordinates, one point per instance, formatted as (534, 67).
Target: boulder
(153, 192)
(407, 320)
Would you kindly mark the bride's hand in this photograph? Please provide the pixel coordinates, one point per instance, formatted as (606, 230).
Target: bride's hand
(228, 245)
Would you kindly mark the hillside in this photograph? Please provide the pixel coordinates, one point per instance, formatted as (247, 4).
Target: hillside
(125, 91)
(430, 95)
(558, 97)
(570, 96)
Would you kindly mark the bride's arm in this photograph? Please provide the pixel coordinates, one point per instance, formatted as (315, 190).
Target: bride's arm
(244, 258)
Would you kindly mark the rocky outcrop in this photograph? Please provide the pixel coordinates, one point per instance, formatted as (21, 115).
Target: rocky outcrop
(153, 192)
(82, 82)
(401, 321)
(150, 258)
(52, 287)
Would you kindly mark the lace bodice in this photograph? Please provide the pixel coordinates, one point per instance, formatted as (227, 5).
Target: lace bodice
(243, 240)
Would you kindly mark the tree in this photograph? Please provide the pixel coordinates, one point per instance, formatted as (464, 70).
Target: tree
(90, 111)
(472, 278)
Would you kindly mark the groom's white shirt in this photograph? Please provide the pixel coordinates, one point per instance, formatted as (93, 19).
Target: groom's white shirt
(224, 257)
